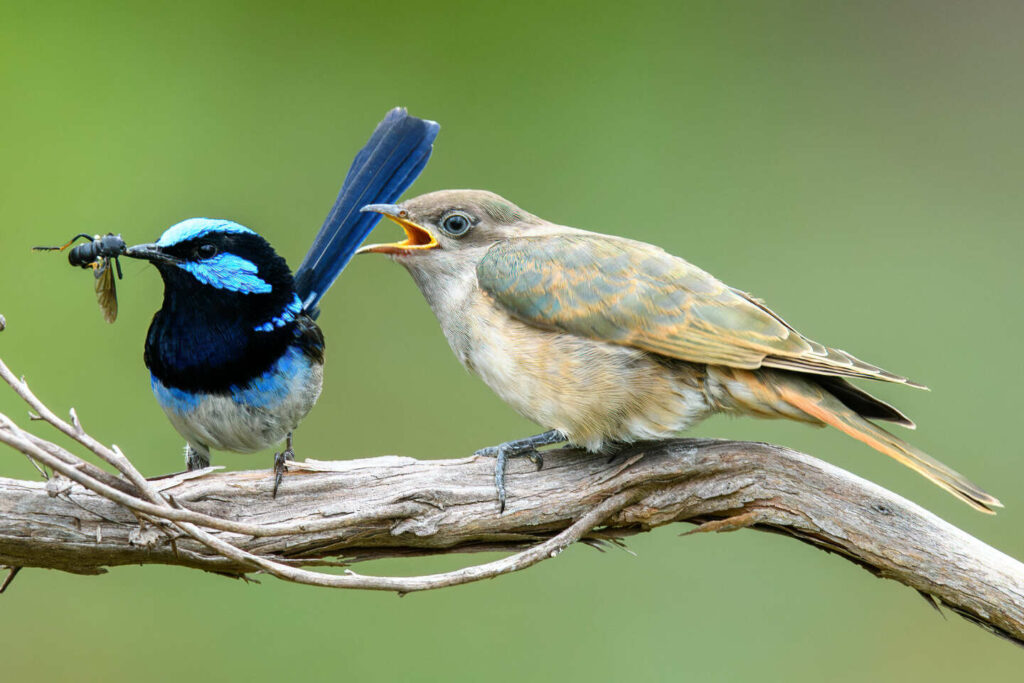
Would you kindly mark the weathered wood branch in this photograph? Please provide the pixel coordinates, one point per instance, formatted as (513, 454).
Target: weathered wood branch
(389, 506)
(84, 519)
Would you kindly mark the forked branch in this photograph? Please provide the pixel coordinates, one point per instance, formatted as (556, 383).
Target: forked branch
(84, 519)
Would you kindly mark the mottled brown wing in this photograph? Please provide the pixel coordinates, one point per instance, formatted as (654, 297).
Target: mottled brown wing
(635, 294)
(106, 289)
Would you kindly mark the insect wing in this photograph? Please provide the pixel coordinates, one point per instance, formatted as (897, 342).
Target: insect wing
(106, 289)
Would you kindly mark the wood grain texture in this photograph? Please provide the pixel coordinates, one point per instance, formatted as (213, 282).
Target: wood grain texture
(390, 506)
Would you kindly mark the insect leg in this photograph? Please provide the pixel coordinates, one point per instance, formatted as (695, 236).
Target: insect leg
(70, 242)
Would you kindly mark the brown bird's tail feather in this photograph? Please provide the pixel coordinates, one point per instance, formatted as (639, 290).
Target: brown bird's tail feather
(819, 404)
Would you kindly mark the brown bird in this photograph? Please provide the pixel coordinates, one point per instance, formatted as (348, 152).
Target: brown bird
(605, 340)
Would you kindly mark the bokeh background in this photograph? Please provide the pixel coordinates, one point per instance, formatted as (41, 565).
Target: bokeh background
(858, 165)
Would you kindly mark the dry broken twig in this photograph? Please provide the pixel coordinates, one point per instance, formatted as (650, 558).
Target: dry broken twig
(84, 519)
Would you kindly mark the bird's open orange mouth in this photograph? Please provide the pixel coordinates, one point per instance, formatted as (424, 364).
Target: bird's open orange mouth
(416, 238)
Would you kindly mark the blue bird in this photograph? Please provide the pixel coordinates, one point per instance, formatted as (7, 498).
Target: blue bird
(234, 355)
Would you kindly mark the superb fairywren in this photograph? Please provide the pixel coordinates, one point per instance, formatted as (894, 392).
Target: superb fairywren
(235, 357)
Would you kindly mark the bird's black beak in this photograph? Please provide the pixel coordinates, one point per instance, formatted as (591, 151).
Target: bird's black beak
(150, 252)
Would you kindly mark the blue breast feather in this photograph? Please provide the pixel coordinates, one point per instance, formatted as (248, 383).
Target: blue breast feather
(286, 316)
(290, 373)
(197, 227)
(230, 272)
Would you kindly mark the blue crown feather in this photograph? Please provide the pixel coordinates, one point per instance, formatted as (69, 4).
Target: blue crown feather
(192, 228)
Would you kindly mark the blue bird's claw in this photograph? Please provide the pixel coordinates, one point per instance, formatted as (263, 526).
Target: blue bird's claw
(196, 459)
(279, 464)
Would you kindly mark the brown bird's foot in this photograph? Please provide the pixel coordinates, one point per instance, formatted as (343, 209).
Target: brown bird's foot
(520, 448)
(279, 460)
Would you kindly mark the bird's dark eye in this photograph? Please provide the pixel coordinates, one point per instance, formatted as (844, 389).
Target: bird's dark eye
(456, 224)
(206, 251)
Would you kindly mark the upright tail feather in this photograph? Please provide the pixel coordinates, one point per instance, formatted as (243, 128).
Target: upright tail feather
(819, 404)
(389, 163)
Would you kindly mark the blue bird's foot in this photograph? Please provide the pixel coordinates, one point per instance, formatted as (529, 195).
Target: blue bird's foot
(196, 458)
(279, 460)
(520, 448)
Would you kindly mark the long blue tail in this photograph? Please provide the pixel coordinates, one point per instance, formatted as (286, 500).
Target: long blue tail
(389, 163)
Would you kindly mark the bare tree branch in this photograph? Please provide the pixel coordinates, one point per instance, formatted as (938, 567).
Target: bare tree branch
(84, 519)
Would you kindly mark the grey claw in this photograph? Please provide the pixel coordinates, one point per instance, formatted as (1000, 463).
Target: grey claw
(499, 475)
(279, 460)
(514, 449)
(536, 458)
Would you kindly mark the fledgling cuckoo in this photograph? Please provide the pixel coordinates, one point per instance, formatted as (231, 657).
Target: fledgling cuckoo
(602, 339)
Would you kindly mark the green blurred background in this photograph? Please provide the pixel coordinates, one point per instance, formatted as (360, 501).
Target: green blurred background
(858, 165)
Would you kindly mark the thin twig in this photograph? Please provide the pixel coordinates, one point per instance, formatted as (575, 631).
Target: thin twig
(11, 573)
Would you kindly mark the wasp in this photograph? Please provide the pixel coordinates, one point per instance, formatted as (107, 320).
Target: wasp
(97, 254)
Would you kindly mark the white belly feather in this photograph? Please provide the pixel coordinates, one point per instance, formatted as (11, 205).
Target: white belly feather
(251, 417)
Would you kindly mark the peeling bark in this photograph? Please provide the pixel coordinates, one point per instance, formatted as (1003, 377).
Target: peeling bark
(394, 507)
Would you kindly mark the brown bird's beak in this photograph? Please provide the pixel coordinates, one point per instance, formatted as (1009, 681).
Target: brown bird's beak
(416, 238)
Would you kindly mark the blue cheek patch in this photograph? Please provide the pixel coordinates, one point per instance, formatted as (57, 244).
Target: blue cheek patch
(286, 316)
(197, 227)
(178, 400)
(227, 271)
(275, 385)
